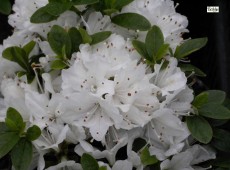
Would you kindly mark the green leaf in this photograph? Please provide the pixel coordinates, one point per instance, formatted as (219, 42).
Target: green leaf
(189, 47)
(3, 128)
(141, 49)
(110, 11)
(7, 142)
(200, 99)
(132, 21)
(199, 128)
(214, 111)
(75, 38)
(57, 8)
(21, 154)
(221, 140)
(146, 158)
(84, 2)
(154, 41)
(5, 7)
(29, 47)
(162, 51)
(191, 68)
(85, 36)
(33, 133)
(88, 162)
(58, 65)
(42, 16)
(17, 55)
(216, 96)
(100, 36)
(14, 120)
(59, 39)
(121, 3)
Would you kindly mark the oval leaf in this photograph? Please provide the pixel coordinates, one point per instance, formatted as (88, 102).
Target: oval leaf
(132, 21)
(141, 49)
(154, 40)
(57, 8)
(88, 162)
(214, 111)
(42, 16)
(216, 96)
(221, 140)
(21, 154)
(59, 39)
(14, 120)
(5, 7)
(58, 65)
(100, 36)
(199, 128)
(189, 47)
(7, 142)
(76, 39)
(33, 133)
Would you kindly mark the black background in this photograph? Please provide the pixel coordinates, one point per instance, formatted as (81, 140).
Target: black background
(214, 59)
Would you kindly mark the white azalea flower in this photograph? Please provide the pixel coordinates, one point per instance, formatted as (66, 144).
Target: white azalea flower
(66, 165)
(185, 160)
(20, 20)
(163, 14)
(166, 134)
(169, 79)
(122, 165)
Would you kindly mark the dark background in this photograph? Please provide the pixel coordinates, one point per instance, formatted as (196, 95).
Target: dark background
(214, 59)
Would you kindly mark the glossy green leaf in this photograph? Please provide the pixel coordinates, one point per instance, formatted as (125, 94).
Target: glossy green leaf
(42, 16)
(216, 96)
(199, 128)
(58, 65)
(84, 2)
(200, 99)
(7, 142)
(110, 11)
(29, 47)
(192, 68)
(154, 41)
(121, 3)
(141, 49)
(189, 47)
(59, 39)
(14, 120)
(214, 111)
(75, 38)
(57, 8)
(21, 154)
(17, 55)
(162, 51)
(33, 133)
(146, 158)
(5, 7)
(85, 36)
(88, 162)
(100, 36)
(221, 140)
(132, 21)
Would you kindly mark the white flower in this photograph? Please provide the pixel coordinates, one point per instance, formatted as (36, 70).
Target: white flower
(185, 160)
(163, 14)
(122, 165)
(20, 20)
(166, 134)
(66, 165)
(169, 79)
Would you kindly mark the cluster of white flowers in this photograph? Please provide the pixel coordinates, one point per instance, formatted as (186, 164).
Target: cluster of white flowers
(107, 94)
